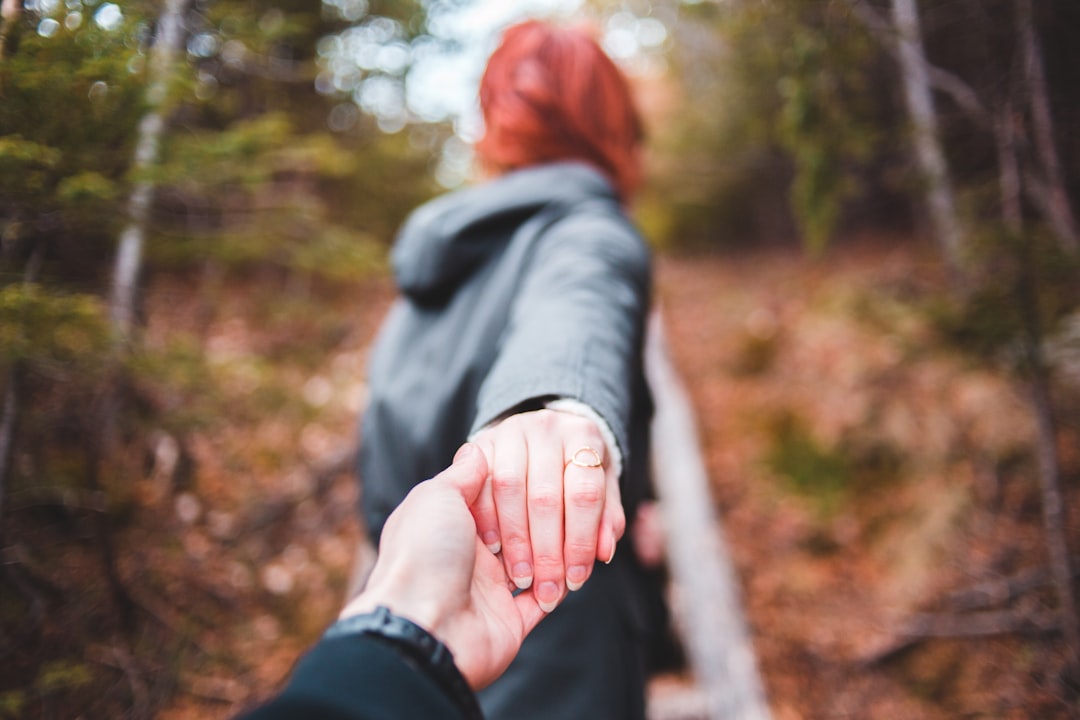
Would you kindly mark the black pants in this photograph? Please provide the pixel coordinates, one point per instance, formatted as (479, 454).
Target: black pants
(586, 660)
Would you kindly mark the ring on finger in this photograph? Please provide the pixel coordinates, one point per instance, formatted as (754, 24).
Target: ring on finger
(586, 457)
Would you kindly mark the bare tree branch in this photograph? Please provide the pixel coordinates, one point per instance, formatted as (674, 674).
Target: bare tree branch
(979, 624)
(1003, 590)
(1008, 170)
(940, 79)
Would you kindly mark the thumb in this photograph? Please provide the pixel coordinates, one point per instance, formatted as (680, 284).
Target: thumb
(530, 610)
(467, 473)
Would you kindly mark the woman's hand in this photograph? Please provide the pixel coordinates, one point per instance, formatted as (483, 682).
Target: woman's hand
(552, 504)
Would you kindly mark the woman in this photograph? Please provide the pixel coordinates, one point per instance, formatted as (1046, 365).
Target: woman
(521, 327)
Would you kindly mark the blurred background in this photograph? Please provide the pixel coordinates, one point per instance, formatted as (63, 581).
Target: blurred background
(863, 213)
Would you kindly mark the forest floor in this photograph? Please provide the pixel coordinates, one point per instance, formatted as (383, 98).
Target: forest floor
(875, 488)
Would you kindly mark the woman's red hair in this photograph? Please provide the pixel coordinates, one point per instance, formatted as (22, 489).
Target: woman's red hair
(550, 93)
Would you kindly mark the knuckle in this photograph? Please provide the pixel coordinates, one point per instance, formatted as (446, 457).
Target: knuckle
(585, 427)
(586, 494)
(505, 482)
(580, 549)
(545, 418)
(515, 544)
(545, 499)
(548, 562)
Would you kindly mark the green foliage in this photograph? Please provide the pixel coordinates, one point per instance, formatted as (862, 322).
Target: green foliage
(820, 123)
(69, 105)
(339, 254)
(253, 182)
(62, 676)
(811, 469)
(831, 474)
(177, 384)
(12, 704)
(777, 94)
(53, 332)
(24, 165)
(1020, 288)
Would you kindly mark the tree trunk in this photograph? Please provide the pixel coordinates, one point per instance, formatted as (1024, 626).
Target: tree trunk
(8, 420)
(1053, 503)
(1054, 200)
(129, 252)
(170, 32)
(931, 159)
(10, 10)
(10, 406)
(10, 409)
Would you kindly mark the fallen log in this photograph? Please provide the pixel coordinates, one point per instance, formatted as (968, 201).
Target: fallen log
(706, 601)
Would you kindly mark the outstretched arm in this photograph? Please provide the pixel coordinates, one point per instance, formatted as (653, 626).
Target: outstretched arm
(574, 333)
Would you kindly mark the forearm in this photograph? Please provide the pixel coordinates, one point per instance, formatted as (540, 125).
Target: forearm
(576, 328)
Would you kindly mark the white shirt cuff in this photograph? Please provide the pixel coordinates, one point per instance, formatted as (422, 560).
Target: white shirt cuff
(576, 407)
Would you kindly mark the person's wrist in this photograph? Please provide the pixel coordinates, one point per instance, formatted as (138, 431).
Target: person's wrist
(430, 614)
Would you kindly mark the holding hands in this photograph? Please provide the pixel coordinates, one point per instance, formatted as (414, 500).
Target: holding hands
(433, 570)
(538, 488)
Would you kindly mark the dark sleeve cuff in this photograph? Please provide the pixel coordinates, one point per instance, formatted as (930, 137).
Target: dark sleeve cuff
(357, 677)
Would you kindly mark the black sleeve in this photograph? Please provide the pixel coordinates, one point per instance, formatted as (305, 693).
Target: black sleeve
(357, 677)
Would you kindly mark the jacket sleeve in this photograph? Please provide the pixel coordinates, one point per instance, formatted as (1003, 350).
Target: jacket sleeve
(576, 324)
(357, 678)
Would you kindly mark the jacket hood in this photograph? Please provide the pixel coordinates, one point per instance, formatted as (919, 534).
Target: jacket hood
(445, 240)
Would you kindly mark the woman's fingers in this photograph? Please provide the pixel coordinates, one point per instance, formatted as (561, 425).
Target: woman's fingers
(585, 493)
(552, 504)
(545, 506)
(612, 522)
(508, 461)
(483, 509)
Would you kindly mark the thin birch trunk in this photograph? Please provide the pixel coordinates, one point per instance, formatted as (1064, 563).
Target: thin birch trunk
(129, 252)
(10, 10)
(931, 159)
(128, 264)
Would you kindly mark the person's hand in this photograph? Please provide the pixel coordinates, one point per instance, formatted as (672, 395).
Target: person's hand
(433, 570)
(553, 505)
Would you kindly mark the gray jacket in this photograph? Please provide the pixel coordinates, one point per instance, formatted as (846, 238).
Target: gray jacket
(526, 288)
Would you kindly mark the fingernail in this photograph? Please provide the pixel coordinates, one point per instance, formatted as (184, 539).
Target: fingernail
(575, 576)
(547, 596)
(491, 539)
(464, 451)
(521, 574)
(613, 545)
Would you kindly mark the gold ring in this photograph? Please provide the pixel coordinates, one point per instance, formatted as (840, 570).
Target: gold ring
(592, 458)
